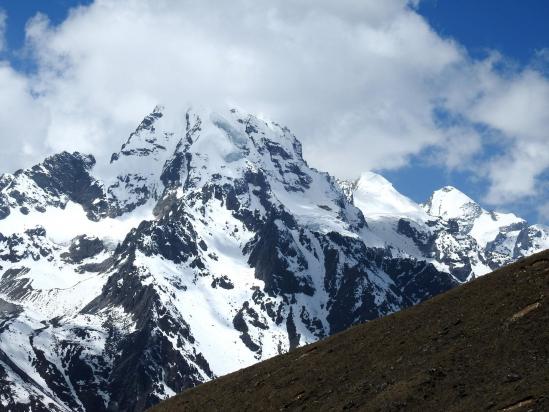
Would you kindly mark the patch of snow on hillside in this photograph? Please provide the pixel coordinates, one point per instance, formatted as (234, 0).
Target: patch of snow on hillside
(488, 225)
(63, 225)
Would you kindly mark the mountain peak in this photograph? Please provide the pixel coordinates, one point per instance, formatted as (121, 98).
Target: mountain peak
(372, 178)
(376, 196)
(208, 221)
(451, 203)
(144, 140)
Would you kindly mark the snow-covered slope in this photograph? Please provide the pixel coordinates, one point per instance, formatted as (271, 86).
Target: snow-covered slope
(376, 197)
(208, 245)
(450, 230)
(449, 203)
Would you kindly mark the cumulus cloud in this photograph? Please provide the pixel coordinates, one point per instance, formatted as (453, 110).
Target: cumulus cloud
(23, 121)
(514, 107)
(352, 73)
(359, 82)
(519, 108)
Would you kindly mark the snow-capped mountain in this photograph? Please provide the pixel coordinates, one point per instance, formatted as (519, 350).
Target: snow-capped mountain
(208, 245)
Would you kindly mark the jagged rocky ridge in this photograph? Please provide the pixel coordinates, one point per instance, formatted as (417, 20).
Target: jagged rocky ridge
(209, 245)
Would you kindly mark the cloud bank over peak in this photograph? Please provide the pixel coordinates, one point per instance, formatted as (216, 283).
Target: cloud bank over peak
(364, 84)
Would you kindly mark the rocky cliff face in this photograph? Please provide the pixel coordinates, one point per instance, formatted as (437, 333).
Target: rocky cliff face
(209, 245)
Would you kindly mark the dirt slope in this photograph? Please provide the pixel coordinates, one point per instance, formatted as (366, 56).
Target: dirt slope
(481, 347)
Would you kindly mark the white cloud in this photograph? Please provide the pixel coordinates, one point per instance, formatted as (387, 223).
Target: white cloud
(516, 105)
(23, 121)
(355, 73)
(356, 80)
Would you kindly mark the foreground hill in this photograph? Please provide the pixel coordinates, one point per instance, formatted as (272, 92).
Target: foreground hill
(482, 346)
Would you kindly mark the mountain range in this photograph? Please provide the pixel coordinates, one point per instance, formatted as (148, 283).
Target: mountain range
(207, 244)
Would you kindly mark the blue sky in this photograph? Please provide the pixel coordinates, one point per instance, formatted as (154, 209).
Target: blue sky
(515, 28)
(402, 107)
(20, 11)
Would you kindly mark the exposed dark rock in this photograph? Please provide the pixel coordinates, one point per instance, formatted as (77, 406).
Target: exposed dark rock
(222, 282)
(270, 246)
(69, 174)
(83, 247)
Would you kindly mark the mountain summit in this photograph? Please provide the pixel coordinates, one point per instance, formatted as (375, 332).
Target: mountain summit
(210, 245)
(376, 197)
(450, 203)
